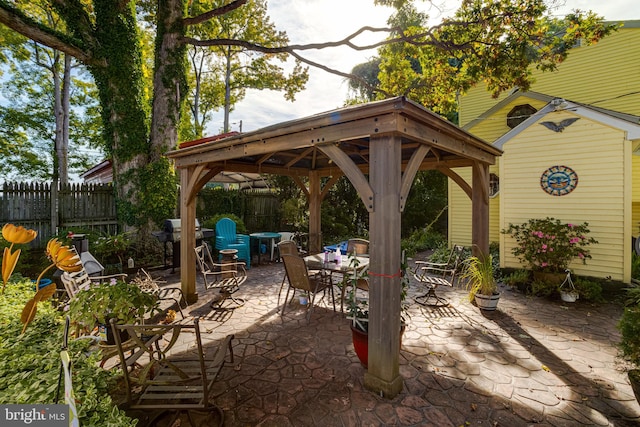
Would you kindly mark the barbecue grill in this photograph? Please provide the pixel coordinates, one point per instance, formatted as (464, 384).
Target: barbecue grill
(171, 235)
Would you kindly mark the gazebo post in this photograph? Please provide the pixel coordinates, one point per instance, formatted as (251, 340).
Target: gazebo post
(315, 202)
(383, 375)
(480, 209)
(187, 236)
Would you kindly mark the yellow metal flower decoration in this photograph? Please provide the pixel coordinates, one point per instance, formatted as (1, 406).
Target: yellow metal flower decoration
(61, 256)
(15, 235)
(18, 234)
(65, 259)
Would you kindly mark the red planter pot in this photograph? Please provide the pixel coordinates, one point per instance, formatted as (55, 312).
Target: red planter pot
(361, 344)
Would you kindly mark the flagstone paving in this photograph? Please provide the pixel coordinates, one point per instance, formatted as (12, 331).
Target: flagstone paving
(533, 361)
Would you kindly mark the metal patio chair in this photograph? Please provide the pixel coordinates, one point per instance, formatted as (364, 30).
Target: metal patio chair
(167, 380)
(432, 275)
(226, 277)
(300, 278)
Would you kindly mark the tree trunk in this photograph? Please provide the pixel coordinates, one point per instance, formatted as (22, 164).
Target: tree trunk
(227, 92)
(62, 147)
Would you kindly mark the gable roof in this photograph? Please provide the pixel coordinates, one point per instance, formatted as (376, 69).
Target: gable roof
(625, 122)
(515, 94)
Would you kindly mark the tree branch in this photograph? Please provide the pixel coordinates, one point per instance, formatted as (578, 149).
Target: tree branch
(215, 12)
(31, 29)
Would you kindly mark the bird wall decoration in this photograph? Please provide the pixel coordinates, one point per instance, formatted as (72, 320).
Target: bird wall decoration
(559, 127)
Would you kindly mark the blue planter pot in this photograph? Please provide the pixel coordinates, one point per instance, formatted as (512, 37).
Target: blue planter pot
(43, 283)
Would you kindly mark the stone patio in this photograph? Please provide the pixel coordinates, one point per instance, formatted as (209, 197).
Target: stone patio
(534, 361)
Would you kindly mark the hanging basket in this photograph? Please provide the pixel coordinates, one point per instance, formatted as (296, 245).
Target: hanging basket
(568, 292)
(569, 296)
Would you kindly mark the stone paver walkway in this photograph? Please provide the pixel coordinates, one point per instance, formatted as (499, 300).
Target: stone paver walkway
(533, 361)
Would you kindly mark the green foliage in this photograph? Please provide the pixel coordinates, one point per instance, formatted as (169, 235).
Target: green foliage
(426, 204)
(212, 202)
(517, 278)
(158, 192)
(435, 65)
(111, 249)
(629, 326)
(421, 240)
(240, 227)
(549, 244)
(478, 274)
(28, 123)
(544, 288)
(343, 213)
(589, 290)
(234, 67)
(635, 265)
(29, 363)
(120, 300)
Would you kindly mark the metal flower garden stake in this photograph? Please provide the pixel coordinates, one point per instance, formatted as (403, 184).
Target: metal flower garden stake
(61, 256)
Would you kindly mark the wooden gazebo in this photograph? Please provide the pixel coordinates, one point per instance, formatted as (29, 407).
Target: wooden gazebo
(379, 146)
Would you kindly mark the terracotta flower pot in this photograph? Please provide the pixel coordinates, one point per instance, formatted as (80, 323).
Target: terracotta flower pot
(361, 343)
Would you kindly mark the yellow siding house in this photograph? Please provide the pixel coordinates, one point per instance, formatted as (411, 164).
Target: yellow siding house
(582, 121)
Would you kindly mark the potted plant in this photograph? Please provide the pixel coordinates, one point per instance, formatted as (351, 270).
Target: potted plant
(98, 304)
(112, 251)
(481, 283)
(629, 326)
(358, 310)
(547, 246)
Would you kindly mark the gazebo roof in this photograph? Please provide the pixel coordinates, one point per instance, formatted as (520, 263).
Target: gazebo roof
(294, 147)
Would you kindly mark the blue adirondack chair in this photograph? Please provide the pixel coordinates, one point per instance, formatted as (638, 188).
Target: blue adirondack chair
(227, 238)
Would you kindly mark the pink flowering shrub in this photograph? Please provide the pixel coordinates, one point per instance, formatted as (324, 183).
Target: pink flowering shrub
(549, 244)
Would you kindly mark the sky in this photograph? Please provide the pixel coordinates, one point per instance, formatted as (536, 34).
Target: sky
(315, 21)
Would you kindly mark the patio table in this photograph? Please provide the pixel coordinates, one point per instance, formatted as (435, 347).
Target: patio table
(316, 262)
(267, 237)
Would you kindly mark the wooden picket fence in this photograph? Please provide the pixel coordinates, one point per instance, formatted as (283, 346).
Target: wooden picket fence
(92, 207)
(49, 208)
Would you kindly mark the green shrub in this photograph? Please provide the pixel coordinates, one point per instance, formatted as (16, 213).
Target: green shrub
(543, 288)
(635, 266)
(589, 290)
(29, 363)
(517, 278)
(629, 326)
(211, 222)
(549, 244)
(422, 240)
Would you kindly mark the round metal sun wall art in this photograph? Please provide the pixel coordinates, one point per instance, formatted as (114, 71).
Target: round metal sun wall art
(559, 180)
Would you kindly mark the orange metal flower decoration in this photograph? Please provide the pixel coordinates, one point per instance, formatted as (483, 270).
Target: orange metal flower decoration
(18, 234)
(14, 235)
(63, 257)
